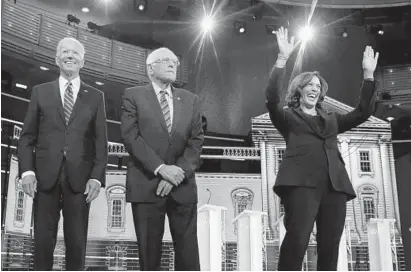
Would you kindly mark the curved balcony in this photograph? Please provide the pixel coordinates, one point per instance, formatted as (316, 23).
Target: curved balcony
(27, 34)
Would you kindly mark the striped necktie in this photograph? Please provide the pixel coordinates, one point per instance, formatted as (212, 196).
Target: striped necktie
(165, 109)
(68, 102)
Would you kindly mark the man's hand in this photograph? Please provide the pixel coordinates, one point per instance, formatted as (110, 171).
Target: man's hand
(92, 190)
(285, 47)
(164, 188)
(172, 173)
(369, 62)
(30, 185)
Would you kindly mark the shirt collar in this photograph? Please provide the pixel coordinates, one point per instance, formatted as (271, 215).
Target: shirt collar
(157, 89)
(75, 82)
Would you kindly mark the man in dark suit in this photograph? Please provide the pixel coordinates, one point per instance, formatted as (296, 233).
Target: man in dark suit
(312, 181)
(162, 131)
(63, 156)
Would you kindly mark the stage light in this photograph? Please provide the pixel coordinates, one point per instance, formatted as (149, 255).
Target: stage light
(99, 83)
(271, 29)
(306, 33)
(377, 30)
(85, 9)
(239, 27)
(73, 19)
(44, 68)
(140, 5)
(344, 34)
(207, 24)
(21, 86)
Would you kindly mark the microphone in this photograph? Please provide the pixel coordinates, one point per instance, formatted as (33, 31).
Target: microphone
(209, 197)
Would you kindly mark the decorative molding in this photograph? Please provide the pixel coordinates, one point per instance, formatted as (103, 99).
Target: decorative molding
(343, 139)
(228, 176)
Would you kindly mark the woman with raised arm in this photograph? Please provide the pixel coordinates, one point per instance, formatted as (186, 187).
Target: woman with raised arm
(312, 181)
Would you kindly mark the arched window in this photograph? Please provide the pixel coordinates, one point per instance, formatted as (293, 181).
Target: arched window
(368, 198)
(242, 200)
(116, 208)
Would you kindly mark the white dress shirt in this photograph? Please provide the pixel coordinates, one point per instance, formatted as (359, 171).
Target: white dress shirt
(63, 83)
(169, 98)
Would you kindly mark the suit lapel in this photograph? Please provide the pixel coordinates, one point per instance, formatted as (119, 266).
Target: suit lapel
(309, 122)
(177, 104)
(78, 105)
(58, 99)
(327, 122)
(153, 100)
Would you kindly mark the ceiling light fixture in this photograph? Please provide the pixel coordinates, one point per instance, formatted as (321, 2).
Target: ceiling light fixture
(21, 86)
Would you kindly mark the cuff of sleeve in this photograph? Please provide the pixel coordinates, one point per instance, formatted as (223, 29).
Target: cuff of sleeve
(157, 169)
(28, 173)
(97, 181)
(280, 63)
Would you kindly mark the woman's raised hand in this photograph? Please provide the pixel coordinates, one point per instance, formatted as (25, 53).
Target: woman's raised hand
(286, 48)
(369, 61)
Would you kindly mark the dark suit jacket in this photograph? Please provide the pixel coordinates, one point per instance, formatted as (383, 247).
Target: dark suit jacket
(303, 161)
(83, 141)
(149, 144)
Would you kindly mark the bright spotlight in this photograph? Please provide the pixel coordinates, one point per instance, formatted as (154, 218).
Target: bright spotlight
(207, 24)
(306, 33)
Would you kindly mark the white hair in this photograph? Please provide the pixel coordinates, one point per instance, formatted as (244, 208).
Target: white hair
(61, 42)
(157, 54)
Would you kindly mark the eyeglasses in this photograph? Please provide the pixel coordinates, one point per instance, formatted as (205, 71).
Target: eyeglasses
(166, 61)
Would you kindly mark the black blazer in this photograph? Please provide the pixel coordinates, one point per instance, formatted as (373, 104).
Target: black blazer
(307, 146)
(146, 138)
(83, 141)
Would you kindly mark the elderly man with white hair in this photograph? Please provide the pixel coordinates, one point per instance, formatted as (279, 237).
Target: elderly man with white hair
(162, 131)
(62, 156)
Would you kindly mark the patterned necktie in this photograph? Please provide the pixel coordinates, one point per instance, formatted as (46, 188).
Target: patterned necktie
(165, 109)
(68, 102)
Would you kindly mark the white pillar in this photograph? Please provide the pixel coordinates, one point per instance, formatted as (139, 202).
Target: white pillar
(211, 236)
(393, 183)
(342, 264)
(379, 244)
(345, 153)
(271, 176)
(264, 182)
(386, 179)
(250, 241)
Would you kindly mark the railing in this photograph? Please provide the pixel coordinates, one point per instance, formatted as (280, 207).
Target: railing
(217, 152)
(33, 29)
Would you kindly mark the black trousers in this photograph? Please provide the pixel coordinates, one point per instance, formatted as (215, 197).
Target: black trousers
(149, 221)
(46, 208)
(303, 206)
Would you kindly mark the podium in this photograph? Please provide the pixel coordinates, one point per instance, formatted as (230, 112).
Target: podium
(250, 242)
(211, 236)
(379, 244)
